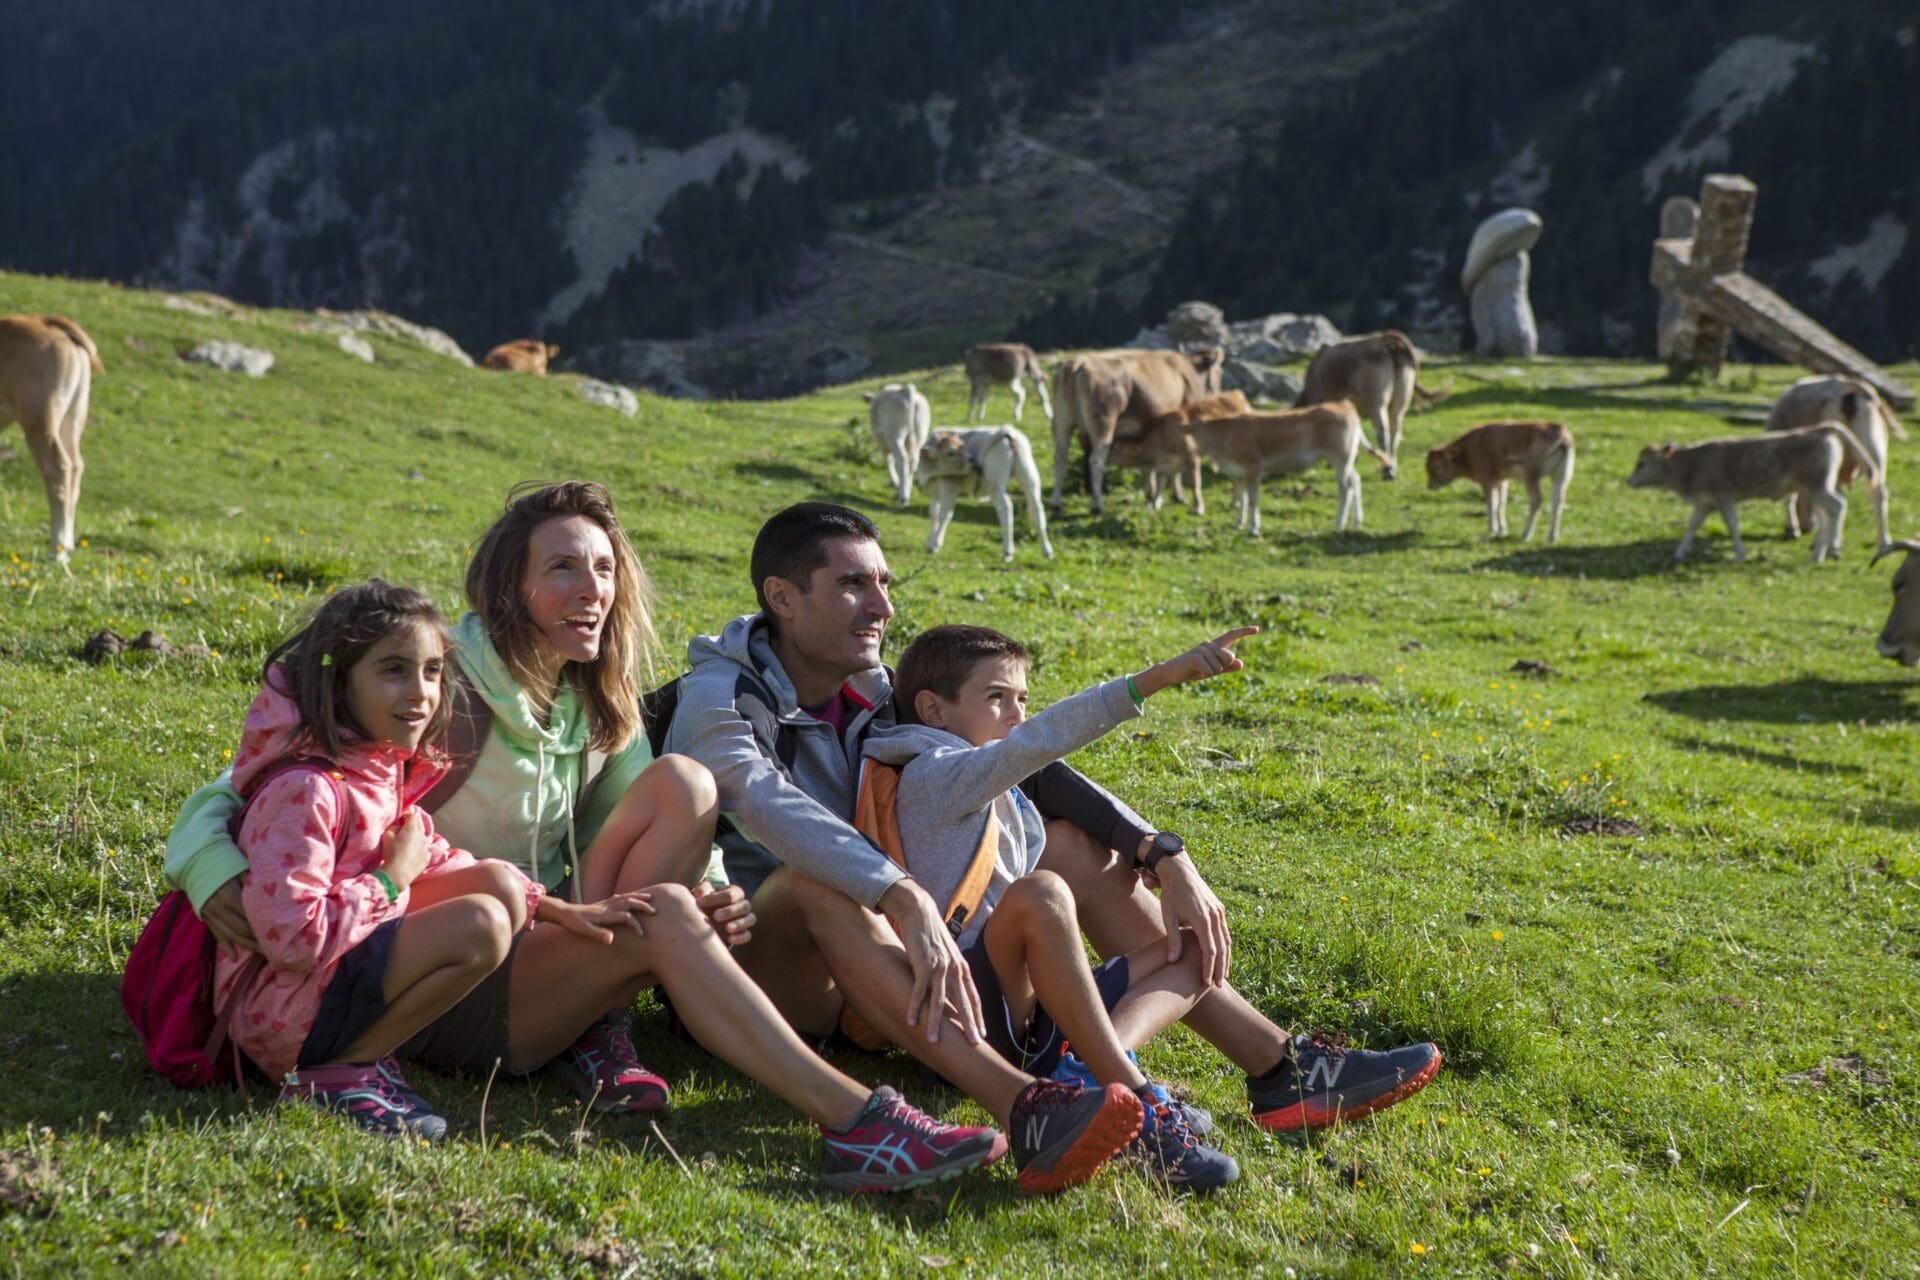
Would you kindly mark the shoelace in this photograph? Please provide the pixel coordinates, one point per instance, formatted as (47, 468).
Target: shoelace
(618, 1046)
(1332, 1043)
(904, 1114)
(1166, 1117)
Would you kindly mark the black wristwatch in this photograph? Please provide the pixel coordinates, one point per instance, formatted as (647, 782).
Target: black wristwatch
(1165, 845)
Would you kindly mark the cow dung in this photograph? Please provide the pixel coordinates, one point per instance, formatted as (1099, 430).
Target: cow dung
(1533, 667)
(103, 644)
(1598, 825)
(1340, 677)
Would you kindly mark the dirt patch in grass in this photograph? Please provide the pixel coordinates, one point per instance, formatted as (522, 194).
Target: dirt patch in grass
(1600, 825)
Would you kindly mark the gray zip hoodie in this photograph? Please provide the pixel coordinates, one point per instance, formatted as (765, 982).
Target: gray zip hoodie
(947, 788)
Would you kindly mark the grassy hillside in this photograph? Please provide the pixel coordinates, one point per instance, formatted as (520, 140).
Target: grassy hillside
(1622, 1017)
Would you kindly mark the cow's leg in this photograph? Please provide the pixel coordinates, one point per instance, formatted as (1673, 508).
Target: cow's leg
(1037, 510)
(976, 399)
(939, 511)
(1730, 516)
(1533, 507)
(1019, 398)
(1253, 500)
(54, 461)
(1562, 477)
(1830, 515)
(1493, 493)
(1693, 527)
(1359, 514)
(1344, 485)
(1046, 403)
(1877, 492)
(1383, 432)
(1193, 482)
(1062, 442)
(72, 425)
(1003, 507)
(1097, 468)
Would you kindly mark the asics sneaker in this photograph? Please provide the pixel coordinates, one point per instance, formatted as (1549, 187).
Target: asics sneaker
(603, 1069)
(893, 1145)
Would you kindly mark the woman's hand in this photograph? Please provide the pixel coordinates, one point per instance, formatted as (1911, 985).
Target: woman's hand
(597, 920)
(730, 912)
(226, 919)
(405, 850)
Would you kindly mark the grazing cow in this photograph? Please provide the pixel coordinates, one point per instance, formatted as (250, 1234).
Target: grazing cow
(1003, 364)
(47, 365)
(1376, 371)
(1719, 473)
(1900, 638)
(1092, 393)
(900, 419)
(1856, 406)
(1165, 451)
(954, 463)
(522, 355)
(1254, 445)
(1494, 453)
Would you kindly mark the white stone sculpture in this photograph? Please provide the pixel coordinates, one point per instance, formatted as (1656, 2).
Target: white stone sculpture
(1495, 279)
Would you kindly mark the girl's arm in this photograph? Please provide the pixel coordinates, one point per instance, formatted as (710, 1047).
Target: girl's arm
(303, 918)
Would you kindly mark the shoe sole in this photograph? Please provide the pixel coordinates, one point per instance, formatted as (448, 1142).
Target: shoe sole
(1323, 1110)
(872, 1184)
(1109, 1133)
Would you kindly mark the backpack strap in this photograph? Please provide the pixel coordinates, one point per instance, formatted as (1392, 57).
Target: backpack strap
(876, 816)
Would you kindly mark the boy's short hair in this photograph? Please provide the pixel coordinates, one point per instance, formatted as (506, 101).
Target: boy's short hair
(942, 658)
(792, 543)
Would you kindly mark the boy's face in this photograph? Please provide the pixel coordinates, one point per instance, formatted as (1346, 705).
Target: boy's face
(991, 701)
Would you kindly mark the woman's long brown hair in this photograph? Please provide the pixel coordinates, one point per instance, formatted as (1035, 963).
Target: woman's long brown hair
(610, 684)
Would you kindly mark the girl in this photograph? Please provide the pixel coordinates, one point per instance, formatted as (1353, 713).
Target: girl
(340, 743)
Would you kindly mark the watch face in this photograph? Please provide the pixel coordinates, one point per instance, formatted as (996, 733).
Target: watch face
(1167, 842)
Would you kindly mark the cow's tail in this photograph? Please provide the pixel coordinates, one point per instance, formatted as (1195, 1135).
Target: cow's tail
(1400, 348)
(1885, 411)
(80, 339)
(1858, 453)
(1427, 399)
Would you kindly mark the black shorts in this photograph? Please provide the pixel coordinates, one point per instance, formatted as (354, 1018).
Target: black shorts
(353, 1000)
(1035, 1048)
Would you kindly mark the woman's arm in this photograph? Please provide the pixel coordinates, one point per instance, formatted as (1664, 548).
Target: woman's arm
(201, 856)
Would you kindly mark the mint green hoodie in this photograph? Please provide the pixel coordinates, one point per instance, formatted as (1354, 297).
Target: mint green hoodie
(517, 803)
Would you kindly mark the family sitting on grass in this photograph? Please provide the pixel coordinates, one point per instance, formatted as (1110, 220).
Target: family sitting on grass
(456, 846)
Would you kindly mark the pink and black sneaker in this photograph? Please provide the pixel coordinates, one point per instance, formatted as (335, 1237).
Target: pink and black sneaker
(363, 1095)
(893, 1145)
(603, 1070)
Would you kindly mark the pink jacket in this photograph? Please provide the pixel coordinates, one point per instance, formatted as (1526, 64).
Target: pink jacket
(308, 908)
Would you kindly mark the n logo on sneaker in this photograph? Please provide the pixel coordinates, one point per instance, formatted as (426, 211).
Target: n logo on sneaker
(1036, 1134)
(1323, 1074)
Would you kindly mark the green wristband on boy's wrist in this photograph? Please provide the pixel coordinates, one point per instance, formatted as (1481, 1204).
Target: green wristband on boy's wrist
(1133, 691)
(386, 882)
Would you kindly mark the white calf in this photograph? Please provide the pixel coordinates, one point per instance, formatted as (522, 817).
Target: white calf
(953, 463)
(900, 418)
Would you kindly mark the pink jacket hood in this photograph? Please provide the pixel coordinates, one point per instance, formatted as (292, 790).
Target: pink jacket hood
(273, 732)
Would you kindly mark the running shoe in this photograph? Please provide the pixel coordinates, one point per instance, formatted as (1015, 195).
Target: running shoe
(362, 1095)
(893, 1145)
(1325, 1082)
(1073, 1071)
(1167, 1148)
(604, 1071)
(1063, 1134)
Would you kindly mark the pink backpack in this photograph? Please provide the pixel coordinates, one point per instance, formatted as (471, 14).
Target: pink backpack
(168, 988)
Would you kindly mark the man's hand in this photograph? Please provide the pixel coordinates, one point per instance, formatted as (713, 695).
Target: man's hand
(1186, 900)
(941, 980)
(226, 919)
(730, 912)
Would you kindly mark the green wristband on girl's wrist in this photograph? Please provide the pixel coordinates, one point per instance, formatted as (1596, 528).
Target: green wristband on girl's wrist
(386, 882)
(1133, 691)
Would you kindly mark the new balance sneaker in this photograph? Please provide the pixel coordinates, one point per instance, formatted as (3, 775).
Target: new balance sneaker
(893, 1145)
(1073, 1071)
(604, 1071)
(362, 1095)
(1063, 1134)
(1325, 1082)
(1167, 1148)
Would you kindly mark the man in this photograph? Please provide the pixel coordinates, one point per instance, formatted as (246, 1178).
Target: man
(777, 707)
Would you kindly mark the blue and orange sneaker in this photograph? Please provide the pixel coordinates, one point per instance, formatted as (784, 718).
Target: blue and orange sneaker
(1324, 1082)
(1073, 1071)
(1063, 1135)
(892, 1146)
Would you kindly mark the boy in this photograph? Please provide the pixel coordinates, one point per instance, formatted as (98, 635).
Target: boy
(963, 744)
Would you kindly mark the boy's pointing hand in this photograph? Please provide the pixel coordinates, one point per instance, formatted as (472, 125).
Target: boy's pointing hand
(1202, 662)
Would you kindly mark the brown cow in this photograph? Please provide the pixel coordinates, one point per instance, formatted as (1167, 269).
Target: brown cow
(1165, 450)
(1377, 372)
(47, 365)
(1900, 638)
(1254, 445)
(1495, 452)
(522, 355)
(1094, 392)
(1003, 364)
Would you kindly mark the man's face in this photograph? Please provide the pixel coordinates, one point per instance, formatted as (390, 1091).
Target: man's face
(838, 617)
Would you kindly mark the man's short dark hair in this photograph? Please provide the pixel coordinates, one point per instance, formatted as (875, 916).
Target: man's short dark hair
(942, 658)
(793, 543)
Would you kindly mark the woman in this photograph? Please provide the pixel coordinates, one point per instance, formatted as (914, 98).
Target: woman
(561, 623)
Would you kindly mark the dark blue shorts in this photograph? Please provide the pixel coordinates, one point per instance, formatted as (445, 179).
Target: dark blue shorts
(353, 1000)
(1035, 1048)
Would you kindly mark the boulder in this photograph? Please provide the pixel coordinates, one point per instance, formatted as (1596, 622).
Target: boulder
(660, 367)
(833, 366)
(609, 396)
(1259, 381)
(1199, 324)
(232, 357)
(357, 347)
(1154, 338)
(392, 326)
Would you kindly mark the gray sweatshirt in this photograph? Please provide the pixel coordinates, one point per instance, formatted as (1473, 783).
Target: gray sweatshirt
(947, 789)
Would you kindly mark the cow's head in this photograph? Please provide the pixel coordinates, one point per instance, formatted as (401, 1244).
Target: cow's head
(1442, 467)
(944, 454)
(552, 351)
(1900, 638)
(1207, 362)
(1654, 470)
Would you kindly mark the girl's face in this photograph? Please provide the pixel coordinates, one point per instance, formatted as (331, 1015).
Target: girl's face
(393, 691)
(568, 587)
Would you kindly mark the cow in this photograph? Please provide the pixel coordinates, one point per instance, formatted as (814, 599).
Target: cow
(522, 355)
(1003, 364)
(47, 365)
(1253, 445)
(900, 420)
(1900, 638)
(1164, 450)
(1377, 371)
(1857, 406)
(955, 463)
(1716, 474)
(1495, 453)
(1092, 393)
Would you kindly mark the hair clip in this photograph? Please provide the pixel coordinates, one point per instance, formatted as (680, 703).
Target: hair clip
(326, 659)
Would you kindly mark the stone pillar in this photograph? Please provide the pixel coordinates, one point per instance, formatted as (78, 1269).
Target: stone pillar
(1719, 249)
(1679, 220)
(1495, 279)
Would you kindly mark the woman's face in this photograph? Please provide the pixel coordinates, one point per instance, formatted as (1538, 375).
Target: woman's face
(568, 587)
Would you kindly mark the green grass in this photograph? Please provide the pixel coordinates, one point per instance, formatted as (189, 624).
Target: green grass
(1620, 1016)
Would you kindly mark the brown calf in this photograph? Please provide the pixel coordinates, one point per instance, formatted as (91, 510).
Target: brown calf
(522, 355)
(47, 365)
(1494, 453)
(1254, 445)
(1376, 371)
(1003, 364)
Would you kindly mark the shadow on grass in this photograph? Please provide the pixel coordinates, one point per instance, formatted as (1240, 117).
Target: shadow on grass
(1619, 561)
(1778, 759)
(778, 472)
(1596, 397)
(1358, 542)
(1803, 700)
